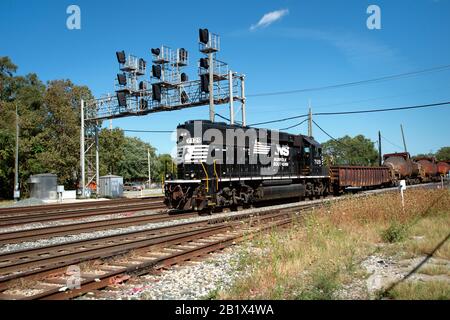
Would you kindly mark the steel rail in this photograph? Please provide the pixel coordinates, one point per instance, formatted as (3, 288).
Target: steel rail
(72, 206)
(44, 217)
(84, 227)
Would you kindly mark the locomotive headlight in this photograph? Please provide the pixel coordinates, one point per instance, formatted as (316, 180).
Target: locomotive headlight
(192, 175)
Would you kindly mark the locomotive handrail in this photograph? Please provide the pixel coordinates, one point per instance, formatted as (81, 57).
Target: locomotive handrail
(207, 177)
(217, 176)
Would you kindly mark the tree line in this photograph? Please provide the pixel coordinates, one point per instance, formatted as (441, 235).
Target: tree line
(49, 122)
(360, 151)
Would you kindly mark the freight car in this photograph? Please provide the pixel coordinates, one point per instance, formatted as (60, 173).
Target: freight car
(343, 177)
(443, 168)
(428, 169)
(402, 167)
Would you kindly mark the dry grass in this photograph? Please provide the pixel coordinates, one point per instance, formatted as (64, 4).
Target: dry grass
(431, 290)
(319, 254)
(434, 229)
(435, 270)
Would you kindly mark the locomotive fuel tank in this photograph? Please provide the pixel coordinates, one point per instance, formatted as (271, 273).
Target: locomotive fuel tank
(428, 166)
(443, 168)
(401, 165)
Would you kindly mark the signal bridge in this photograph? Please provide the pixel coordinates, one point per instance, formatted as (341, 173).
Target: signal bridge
(168, 89)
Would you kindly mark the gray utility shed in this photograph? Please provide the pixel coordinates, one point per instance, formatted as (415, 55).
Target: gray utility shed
(111, 186)
(43, 186)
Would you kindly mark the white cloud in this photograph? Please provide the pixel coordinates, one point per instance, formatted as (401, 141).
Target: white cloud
(269, 18)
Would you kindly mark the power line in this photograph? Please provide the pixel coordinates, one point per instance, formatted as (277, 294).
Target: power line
(338, 141)
(278, 120)
(382, 110)
(148, 131)
(355, 83)
(329, 135)
(392, 143)
(295, 125)
(356, 112)
(321, 114)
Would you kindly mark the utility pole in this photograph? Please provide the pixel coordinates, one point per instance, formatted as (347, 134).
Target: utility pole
(110, 120)
(16, 166)
(211, 87)
(149, 171)
(403, 137)
(230, 85)
(83, 182)
(379, 148)
(244, 117)
(310, 120)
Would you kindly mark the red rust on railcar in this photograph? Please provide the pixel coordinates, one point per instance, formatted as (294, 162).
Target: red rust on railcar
(443, 168)
(359, 176)
(428, 166)
(401, 164)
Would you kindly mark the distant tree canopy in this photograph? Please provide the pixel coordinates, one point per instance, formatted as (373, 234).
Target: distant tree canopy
(350, 151)
(49, 122)
(127, 157)
(443, 154)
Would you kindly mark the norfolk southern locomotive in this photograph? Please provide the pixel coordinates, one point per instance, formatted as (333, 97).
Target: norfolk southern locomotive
(229, 165)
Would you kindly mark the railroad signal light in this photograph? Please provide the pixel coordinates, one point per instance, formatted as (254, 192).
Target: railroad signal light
(122, 99)
(182, 54)
(204, 63)
(121, 57)
(184, 97)
(156, 71)
(142, 64)
(156, 92)
(143, 104)
(203, 35)
(204, 80)
(122, 79)
(142, 85)
(184, 77)
(156, 51)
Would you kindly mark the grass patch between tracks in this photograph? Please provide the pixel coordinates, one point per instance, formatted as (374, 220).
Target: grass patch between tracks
(321, 254)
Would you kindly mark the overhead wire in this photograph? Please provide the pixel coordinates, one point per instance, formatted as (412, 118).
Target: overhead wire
(354, 83)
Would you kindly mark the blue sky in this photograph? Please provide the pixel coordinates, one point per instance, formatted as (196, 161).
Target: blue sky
(315, 43)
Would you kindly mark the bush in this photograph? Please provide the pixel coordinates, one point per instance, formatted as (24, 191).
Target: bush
(395, 233)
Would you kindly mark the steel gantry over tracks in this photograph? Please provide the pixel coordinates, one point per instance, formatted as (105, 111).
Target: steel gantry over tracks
(168, 89)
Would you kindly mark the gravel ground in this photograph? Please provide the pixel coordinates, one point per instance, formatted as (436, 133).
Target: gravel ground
(37, 225)
(192, 281)
(92, 235)
(25, 203)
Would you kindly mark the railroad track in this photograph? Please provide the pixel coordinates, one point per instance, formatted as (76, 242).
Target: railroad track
(24, 218)
(138, 252)
(72, 206)
(42, 273)
(21, 236)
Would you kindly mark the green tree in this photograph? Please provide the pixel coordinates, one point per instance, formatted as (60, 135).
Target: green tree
(135, 164)
(49, 121)
(112, 150)
(350, 151)
(443, 154)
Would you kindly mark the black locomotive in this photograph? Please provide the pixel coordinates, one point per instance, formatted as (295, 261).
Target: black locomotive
(229, 165)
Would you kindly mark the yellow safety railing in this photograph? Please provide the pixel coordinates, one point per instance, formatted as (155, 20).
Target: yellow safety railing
(207, 177)
(217, 176)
